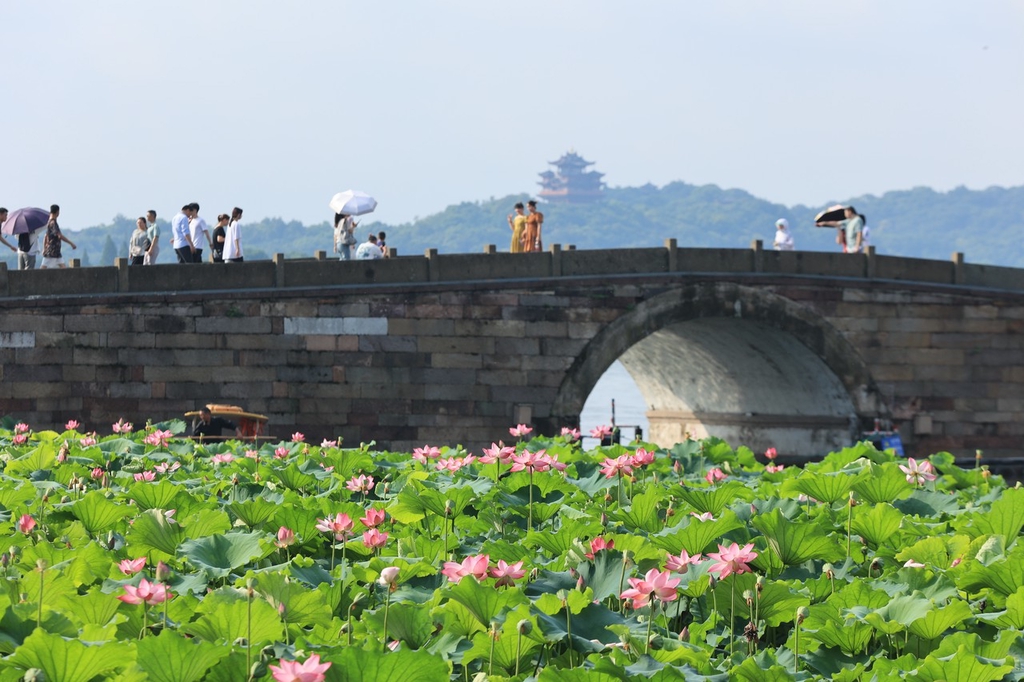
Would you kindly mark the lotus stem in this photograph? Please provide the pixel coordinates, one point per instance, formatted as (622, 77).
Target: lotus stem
(529, 518)
(732, 613)
(490, 657)
(387, 605)
(42, 576)
(568, 628)
(849, 525)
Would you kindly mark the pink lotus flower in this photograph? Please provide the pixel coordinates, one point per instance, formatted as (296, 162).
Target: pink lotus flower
(913, 564)
(223, 458)
(475, 566)
(681, 563)
(506, 573)
(252, 454)
(281, 453)
(132, 566)
(71, 425)
(96, 473)
(552, 461)
(150, 593)
(774, 468)
(599, 544)
(453, 464)
(341, 525)
(602, 432)
(25, 524)
(88, 441)
(164, 467)
(360, 484)
(421, 455)
(618, 466)
(158, 438)
(373, 538)
(533, 461)
(293, 671)
(329, 444)
(642, 458)
(373, 518)
(658, 584)
(20, 439)
(122, 426)
(298, 437)
(326, 468)
(521, 430)
(571, 434)
(732, 559)
(706, 516)
(145, 476)
(285, 537)
(21, 427)
(715, 474)
(918, 471)
(497, 453)
(771, 454)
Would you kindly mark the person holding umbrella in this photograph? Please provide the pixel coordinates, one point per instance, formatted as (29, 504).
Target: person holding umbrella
(346, 205)
(851, 232)
(26, 224)
(344, 235)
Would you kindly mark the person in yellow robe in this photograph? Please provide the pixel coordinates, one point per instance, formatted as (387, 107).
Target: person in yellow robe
(517, 224)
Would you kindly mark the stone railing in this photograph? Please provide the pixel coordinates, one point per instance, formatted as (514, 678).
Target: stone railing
(320, 271)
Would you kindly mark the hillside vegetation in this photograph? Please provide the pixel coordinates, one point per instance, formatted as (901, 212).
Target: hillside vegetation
(985, 224)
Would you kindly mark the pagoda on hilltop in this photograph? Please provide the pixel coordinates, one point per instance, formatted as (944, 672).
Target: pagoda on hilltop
(572, 183)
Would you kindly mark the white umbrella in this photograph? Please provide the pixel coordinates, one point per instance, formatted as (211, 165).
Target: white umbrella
(353, 202)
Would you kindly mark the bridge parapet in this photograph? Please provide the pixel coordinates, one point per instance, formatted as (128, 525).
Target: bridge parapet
(555, 263)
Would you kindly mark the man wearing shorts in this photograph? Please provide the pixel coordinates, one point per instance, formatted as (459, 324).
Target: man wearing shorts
(52, 240)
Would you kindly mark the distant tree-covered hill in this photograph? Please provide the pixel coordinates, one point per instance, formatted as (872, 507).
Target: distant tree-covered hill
(987, 225)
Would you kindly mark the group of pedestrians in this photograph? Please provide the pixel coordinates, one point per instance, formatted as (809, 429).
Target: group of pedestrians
(852, 235)
(190, 236)
(526, 228)
(373, 248)
(28, 243)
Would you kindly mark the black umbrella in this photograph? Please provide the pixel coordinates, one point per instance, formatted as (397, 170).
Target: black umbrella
(25, 221)
(830, 214)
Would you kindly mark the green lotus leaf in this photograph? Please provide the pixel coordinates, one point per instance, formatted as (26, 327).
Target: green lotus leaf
(95, 607)
(825, 487)
(505, 647)
(796, 543)
(226, 618)
(254, 512)
(938, 620)
(603, 575)
(206, 522)
(936, 551)
(590, 631)
(963, 666)
(16, 496)
(121, 446)
(877, 524)
(97, 513)
(926, 503)
(550, 674)
(751, 671)
(1005, 576)
(299, 603)
(776, 604)
(169, 657)
(40, 458)
(832, 623)
(158, 495)
(358, 665)
(898, 614)
(716, 498)
(152, 530)
(299, 520)
(69, 660)
(484, 601)
(1005, 517)
(559, 542)
(294, 478)
(411, 624)
(348, 463)
(218, 555)
(696, 537)
(642, 512)
(88, 565)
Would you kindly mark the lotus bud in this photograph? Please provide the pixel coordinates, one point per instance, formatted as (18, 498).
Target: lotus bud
(684, 634)
(163, 572)
(753, 509)
(4, 560)
(604, 519)
(14, 552)
(985, 473)
(748, 597)
(853, 502)
(677, 468)
(41, 564)
(579, 583)
(607, 498)
(46, 497)
(389, 576)
(713, 581)
(801, 614)
(829, 571)
(524, 627)
(34, 675)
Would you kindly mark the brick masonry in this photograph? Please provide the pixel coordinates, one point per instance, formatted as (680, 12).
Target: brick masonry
(451, 362)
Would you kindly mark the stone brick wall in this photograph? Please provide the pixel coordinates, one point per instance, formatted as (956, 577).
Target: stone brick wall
(458, 361)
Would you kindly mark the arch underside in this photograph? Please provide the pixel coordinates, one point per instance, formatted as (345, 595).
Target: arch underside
(736, 362)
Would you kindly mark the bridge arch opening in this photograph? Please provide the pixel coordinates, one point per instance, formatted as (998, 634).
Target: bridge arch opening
(743, 364)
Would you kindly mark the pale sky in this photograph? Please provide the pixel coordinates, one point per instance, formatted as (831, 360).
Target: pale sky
(119, 106)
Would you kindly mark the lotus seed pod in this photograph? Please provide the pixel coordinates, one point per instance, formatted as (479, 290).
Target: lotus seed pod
(829, 571)
(760, 582)
(34, 675)
(801, 614)
(748, 596)
(524, 627)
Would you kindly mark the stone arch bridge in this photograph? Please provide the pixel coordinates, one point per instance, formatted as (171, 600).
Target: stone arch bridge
(795, 349)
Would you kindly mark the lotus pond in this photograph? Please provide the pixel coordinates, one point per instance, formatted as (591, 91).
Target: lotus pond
(138, 556)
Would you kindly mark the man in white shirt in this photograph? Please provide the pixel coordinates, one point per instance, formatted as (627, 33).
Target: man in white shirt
(181, 238)
(233, 238)
(200, 235)
(369, 250)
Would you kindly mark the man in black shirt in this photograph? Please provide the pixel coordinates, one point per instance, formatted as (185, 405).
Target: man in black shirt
(210, 427)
